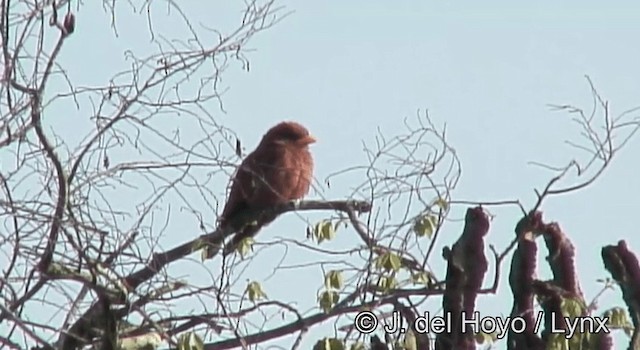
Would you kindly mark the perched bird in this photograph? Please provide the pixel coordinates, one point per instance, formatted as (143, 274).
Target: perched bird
(279, 170)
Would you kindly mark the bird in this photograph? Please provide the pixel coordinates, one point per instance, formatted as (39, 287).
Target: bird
(279, 170)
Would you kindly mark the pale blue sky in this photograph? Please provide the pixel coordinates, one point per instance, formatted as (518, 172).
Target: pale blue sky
(345, 69)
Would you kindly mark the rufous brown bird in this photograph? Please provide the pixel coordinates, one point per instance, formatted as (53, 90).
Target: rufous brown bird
(279, 170)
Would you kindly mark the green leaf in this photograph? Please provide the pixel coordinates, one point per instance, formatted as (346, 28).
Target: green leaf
(389, 261)
(205, 249)
(329, 344)
(572, 307)
(333, 279)
(579, 339)
(323, 231)
(618, 319)
(442, 203)
(409, 342)
(327, 300)
(357, 346)
(425, 225)
(557, 341)
(255, 292)
(190, 341)
(386, 283)
(421, 277)
(485, 338)
(245, 246)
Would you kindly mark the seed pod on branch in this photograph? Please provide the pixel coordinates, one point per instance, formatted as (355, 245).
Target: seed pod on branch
(562, 259)
(623, 266)
(466, 268)
(561, 251)
(521, 277)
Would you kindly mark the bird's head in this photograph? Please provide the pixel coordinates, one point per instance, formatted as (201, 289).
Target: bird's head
(289, 133)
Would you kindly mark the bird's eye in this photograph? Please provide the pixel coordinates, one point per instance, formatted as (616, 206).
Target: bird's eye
(292, 136)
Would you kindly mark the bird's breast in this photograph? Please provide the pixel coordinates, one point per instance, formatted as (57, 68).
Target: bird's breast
(306, 173)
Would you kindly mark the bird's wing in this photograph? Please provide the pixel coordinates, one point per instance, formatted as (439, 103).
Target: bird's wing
(270, 180)
(250, 188)
(242, 188)
(259, 181)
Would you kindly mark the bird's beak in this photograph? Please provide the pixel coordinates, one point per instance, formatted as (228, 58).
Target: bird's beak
(307, 140)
